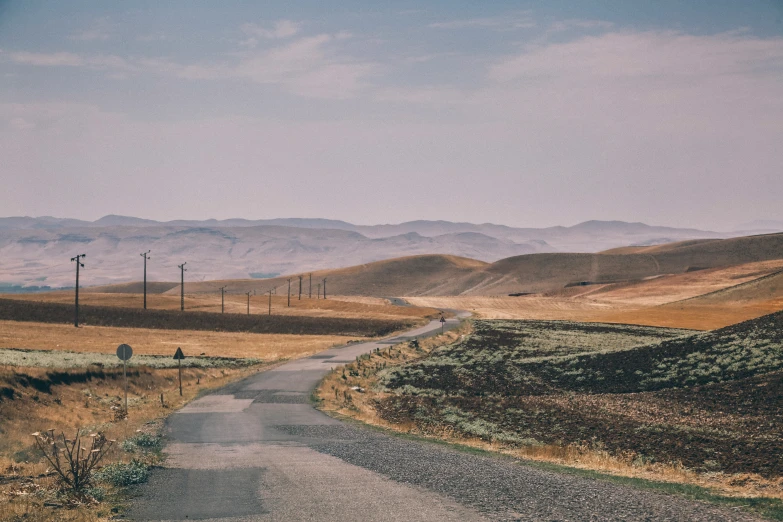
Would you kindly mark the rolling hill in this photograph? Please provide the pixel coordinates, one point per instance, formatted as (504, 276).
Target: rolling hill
(534, 273)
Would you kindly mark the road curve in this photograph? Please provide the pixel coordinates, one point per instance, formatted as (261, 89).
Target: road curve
(257, 450)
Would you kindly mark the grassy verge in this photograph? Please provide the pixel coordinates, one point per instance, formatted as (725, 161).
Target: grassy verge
(353, 392)
(87, 399)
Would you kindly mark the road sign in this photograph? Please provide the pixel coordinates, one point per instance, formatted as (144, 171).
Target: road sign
(124, 352)
(178, 355)
(442, 319)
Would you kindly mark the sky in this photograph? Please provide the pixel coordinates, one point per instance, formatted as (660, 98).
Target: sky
(520, 113)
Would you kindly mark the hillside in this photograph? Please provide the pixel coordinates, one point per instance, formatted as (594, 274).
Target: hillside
(393, 277)
(444, 275)
(542, 272)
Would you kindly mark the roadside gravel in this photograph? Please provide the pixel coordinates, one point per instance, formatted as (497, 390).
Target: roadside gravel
(499, 487)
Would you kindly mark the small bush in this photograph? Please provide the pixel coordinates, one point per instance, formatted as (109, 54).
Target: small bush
(143, 442)
(121, 474)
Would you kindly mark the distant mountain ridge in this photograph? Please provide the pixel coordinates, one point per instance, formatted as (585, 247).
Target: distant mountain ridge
(36, 250)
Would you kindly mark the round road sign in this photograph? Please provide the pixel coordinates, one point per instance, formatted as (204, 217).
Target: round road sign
(124, 352)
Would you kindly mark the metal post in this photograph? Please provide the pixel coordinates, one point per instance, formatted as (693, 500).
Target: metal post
(144, 255)
(76, 303)
(76, 316)
(179, 371)
(125, 377)
(182, 286)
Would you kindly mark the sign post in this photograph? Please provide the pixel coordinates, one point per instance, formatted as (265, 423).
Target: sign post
(179, 356)
(125, 352)
(442, 323)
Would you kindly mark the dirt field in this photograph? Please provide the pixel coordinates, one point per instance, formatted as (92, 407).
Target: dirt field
(735, 294)
(343, 307)
(44, 336)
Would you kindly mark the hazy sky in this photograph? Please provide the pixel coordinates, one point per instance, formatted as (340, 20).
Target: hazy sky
(521, 113)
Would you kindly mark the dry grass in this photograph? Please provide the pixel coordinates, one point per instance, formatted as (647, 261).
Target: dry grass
(523, 307)
(337, 306)
(337, 397)
(662, 301)
(43, 336)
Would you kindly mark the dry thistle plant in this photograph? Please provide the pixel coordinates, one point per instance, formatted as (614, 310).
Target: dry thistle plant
(73, 462)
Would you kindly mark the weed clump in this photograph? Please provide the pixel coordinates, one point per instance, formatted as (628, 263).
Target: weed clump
(121, 474)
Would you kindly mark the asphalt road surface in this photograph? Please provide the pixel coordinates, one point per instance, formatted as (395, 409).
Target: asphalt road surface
(258, 451)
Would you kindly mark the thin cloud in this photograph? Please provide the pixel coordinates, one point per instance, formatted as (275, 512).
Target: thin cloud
(565, 25)
(101, 30)
(281, 29)
(497, 23)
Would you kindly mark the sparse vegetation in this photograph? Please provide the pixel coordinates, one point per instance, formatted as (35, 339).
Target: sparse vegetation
(702, 408)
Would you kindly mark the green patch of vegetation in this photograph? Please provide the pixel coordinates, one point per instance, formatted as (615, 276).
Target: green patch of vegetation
(121, 474)
(143, 443)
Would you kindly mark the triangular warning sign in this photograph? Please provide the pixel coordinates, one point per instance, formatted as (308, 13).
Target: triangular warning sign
(179, 354)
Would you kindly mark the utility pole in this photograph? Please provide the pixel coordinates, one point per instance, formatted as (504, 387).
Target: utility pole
(319, 291)
(324, 288)
(222, 299)
(300, 287)
(146, 257)
(310, 291)
(248, 300)
(79, 263)
(182, 270)
(270, 302)
(289, 291)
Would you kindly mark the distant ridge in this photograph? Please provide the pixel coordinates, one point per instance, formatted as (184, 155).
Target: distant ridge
(35, 250)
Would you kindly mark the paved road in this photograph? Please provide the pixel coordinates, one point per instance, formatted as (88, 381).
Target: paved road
(258, 451)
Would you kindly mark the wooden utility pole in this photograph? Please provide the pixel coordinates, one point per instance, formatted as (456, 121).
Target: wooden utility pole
(79, 263)
(248, 301)
(146, 257)
(324, 288)
(289, 291)
(222, 299)
(300, 287)
(310, 291)
(270, 302)
(182, 270)
(319, 291)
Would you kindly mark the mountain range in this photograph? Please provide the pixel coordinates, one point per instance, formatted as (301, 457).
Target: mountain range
(36, 250)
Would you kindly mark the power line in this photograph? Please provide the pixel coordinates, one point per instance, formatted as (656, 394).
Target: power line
(79, 263)
(182, 285)
(223, 299)
(248, 299)
(146, 257)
